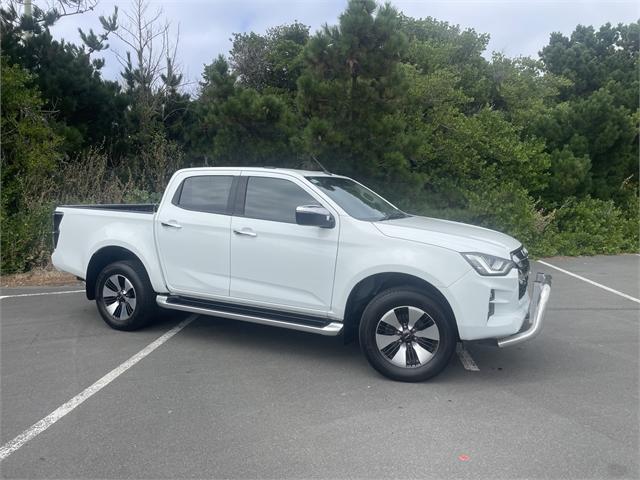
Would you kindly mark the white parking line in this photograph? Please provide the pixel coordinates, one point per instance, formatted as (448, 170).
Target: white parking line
(466, 359)
(604, 287)
(41, 293)
(39, 427)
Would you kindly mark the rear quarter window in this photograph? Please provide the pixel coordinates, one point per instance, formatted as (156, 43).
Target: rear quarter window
(205, 193)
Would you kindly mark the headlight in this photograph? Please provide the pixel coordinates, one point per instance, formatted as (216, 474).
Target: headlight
(488, 264)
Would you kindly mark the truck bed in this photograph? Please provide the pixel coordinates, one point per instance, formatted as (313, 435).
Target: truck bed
(80, 231)
(120, 207)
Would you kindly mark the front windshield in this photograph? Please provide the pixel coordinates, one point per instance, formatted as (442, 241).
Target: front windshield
(356, 200)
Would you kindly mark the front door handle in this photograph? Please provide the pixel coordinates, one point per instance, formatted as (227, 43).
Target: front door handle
(171, 224)
(245, 231)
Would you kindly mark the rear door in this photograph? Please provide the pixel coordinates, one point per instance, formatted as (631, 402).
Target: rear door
(274, 261)
(193, 233)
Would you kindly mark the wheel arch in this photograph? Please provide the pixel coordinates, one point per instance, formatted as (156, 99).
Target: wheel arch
(103, 257)
(367, 288)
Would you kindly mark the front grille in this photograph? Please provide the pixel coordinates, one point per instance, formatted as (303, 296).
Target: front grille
(521, 258)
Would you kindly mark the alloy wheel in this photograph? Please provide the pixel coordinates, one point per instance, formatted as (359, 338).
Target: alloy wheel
(119, 297)
(407, 337)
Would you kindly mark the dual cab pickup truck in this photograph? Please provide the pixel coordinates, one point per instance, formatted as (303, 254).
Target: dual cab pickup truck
(309, 251)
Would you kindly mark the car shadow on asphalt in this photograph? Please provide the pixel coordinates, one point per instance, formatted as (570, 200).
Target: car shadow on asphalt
(299, 349)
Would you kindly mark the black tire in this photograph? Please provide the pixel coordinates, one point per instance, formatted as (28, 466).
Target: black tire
(140, 298)
(428, 357)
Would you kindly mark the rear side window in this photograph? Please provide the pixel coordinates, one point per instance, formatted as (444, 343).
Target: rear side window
(205, 193)
(275, 199)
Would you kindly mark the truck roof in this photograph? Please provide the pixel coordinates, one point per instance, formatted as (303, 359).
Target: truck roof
(294, 171)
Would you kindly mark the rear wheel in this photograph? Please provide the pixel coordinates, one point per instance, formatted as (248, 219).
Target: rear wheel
(406, 335)
(124, 296)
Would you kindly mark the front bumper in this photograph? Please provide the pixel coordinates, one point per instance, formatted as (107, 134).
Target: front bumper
(537, 309)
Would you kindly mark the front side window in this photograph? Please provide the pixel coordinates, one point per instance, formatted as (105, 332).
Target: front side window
(206, 193)
(358, 201)
(275, 199)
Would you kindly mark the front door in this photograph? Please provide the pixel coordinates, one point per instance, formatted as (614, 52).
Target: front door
(274, 261)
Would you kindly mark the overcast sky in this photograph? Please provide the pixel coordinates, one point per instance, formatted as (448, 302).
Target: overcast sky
(516, 27)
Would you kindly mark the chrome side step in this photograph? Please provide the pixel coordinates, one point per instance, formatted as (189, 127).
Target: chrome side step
(302, 323)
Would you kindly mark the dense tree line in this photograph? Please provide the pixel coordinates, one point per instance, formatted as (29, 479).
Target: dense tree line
(545, 149)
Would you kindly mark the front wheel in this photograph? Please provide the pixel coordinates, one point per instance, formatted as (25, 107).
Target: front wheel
(124, 296)
(406, 335)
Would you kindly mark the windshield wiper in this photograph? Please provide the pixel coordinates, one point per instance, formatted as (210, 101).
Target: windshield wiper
(394, 215)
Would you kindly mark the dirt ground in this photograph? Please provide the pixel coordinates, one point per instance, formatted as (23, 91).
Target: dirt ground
(38, 277)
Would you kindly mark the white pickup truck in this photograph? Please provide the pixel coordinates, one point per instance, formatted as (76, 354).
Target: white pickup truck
(309, 251)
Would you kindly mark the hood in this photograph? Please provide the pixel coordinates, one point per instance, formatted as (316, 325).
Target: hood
(460, 237)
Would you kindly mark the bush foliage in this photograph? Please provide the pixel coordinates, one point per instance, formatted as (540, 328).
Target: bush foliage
(544, 149)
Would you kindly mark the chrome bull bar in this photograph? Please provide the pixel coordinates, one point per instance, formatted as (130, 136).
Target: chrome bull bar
(541, 291)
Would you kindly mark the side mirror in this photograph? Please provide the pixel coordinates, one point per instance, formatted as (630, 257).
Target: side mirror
(314, 215)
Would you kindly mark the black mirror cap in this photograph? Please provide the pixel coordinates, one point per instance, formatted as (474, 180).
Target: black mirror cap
(315, 216)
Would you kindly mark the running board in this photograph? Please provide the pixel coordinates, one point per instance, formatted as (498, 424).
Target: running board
(303, 323)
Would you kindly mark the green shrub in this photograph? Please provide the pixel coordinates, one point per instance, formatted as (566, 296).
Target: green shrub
(26, 233)
(26, 239)
(632, 226)
(590, 226)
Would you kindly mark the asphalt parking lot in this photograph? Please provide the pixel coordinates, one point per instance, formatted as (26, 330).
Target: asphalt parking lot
(237, 400)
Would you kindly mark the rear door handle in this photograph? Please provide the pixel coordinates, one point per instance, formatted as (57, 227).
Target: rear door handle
(171, 224)
(245, 231)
